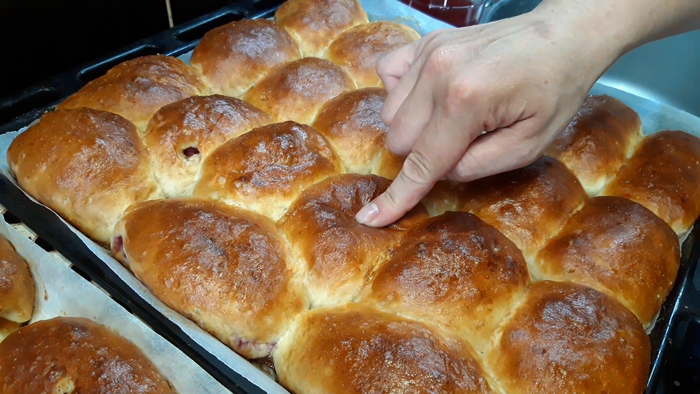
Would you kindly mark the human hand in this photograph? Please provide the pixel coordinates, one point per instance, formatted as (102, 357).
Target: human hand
(469, 103)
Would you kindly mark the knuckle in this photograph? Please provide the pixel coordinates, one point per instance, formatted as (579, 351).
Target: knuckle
(458, 93)
(417, 168)
(438, 61)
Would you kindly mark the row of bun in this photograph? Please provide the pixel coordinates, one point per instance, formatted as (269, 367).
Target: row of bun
(229, 188)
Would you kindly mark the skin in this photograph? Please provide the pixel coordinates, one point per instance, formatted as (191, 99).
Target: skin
(520, 80)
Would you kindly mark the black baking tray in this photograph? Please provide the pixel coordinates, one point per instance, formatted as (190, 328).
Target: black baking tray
(675, 339)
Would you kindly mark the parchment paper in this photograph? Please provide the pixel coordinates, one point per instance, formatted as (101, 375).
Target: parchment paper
(655, 117)
(62, 292)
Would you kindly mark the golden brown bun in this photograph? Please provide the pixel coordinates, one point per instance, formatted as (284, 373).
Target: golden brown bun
(86, 165)
(568, 338)
(444, 196)
(233, 57)
(335, 252)
(7, 327)
(315, 23)
(663, 175)
(183, 134)
(358, 50)
(223, 267)
(266, 169)
(16, 285)
(137, 88)
(297, 90)
(352, 123)
(598, 140)
(528, 205)
(618, 247)
(75, 355)
(355, 349)
(453, 270)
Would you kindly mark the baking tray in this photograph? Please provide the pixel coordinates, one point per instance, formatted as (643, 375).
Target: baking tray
(679, 314)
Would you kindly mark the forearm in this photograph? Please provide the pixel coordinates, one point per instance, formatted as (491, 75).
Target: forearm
(626, 24)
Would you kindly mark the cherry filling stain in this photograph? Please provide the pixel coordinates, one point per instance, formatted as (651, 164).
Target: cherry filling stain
(191, 151)
(117, 244)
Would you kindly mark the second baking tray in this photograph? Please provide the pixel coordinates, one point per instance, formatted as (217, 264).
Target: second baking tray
(680, 312)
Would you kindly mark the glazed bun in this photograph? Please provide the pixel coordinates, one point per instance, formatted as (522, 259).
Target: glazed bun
(358, 49)
(75, 355)
(266, 169)
(598, 140)
(225, 268)
(136, 89)
(335, 252)
(568, 338)
(528, 205)
(297, 90)
(453, 270)
(663, 175)
(183, 134)
(618, 247)
(16, 286)
(352, 123)
(85, 164)
(315, 23)
(233, 57)
(354, 350)
(445, 196)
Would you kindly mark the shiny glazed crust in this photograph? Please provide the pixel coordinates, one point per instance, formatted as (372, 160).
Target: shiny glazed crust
(182, 135)
(334, 251)
(233, 57)
(297, 90)
(618, 247)
(223, 267)
(663, 175)
(137, 88)
(567, 338)
(315, 23)
(75, 355)
(598, 140)
(85, 164)
(357, 50)
(354, 349)
(266, 169)
(453, 270)
(353, 125)
(16, 285)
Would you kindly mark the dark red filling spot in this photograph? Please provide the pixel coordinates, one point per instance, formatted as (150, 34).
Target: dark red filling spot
(191, 151)
(117, 244)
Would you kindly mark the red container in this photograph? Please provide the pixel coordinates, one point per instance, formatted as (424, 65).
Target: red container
(458, 13)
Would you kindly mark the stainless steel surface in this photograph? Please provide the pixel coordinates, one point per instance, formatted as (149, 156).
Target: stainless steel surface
(666, 71)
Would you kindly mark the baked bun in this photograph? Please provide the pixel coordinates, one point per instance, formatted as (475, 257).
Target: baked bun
(352, 123)
(598, 140)
(453, 270)
(266, 169)
(223, 267)
(75, 355)
(16, 285)
(358, 49)
(85, 164)
(297, 90)
(7, 327)
(183, 134)
(136, 89)
(528, 205)
(337, 253)
(315, 23)
(444, 196)
(568, 338)
(354, 350)
(233, 57)
(663, 175)
(618, 247)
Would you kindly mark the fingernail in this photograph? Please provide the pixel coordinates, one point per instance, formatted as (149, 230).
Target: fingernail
(368, 213)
